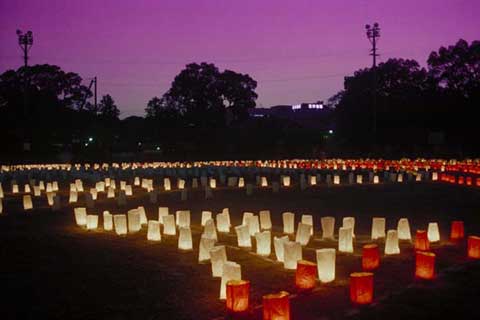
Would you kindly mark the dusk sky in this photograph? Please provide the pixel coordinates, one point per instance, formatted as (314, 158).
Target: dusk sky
(298, 51)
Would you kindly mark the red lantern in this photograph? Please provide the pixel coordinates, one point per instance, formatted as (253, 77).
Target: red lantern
(473, 245)
(457, 231)
(461, 180)
(425, 265)
(469, 181)
(421, 241)
(361, 287)
(276, 306)
(478, 182)
(370, 257)
(238, 292)
(306, 274)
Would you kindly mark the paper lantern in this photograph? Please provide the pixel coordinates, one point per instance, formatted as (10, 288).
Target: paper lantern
(286, 181)
(421, 241)
(238, 293)
(246, 216)
(80, 216)
(183, 218)
(328, 227)
(243, 236)
(26, 188)
(181, 184)
(391, 243)
(128, 190)
(73, 197)
(166, 184)
(308, 219)
(265, 221)
(206, 244)
(306, 274)
(434, 176)
(153, 232)
(253, 224)
(376, 179)
(92, 221)
(169, 225)
(403, 229)
(50, 196)
(213, 183)
(120, 223)
(276, 306)
(231, 271)
(223, 222)
(378, 228)
(94, 193)
(206, 215)
(370, 257)
(336, 179)
(226, 212)
(359, 179)
(288, 222)
(218, 256)
(457, 231)
(15, 188)
(473, 247)
(36, 191)
(424, 265)
(349, 222)
(134, 224)
(303, 233)
(107, 221)
(110, 193)
(361, 287)
(185, 238)
(264, 243)
(210, 231)
(143, 215)
(278, 245)
(326, 264)
(345, 240)
(312, 180)
(292, 252)
(241, 182)
(433, 234)
(162, 211)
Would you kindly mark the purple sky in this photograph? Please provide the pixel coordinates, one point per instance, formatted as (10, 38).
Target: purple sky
(297, 50)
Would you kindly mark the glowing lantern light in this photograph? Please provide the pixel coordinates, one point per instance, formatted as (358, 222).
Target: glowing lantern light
(303, 233)
(169, 225)
(206, 244)
(94, 193)
(153, 232)
(378, 228)
(308, 219)
(128, 190)
(434, 176)
(359, 179)
(15, 188)
(326, 264)
(50, 196)
(313, 180)
(457, 231)
(264, 182)
(241, 182)
(306, 274)
(134, 220)
(166, 184)
(36, 191)
(288, 222)
(73, 197)
(181, 184)
(403, 229)
(218, 256)
(292, 252)
(231, 271)
(345, 240)
(421, 241)
(185, 238)
(92, 221)
(276, 306)
(286, 181)
(473, 247)
(349, 222)
(370, 257)
(183, 218)
(278, 245)
(120, 223)
(107, 221)
(264, 243)
(253, 225)
(110, 193)
(424, 265)
(433, 234)
(391, 244)
(26, 188)
(143, 215)
(213, 183)
(223, 222)
(376, 179)
(328, 227)
(206, 215)
(162, 211)
(210, 231)
(80, 216)
(361, 287)
(238, 293)
(265, 221)
(336, 179)
(246, 216)
(243, 236)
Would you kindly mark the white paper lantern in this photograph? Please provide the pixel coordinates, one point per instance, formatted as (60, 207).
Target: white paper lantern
(278, 245)
(100, 186)
(110, 193)
(123, 185)
(328, 227)
(136, 181)
(265, 221)
(223, 222)
(246, 216)
(55, 186)
(378, 228)
(79, 185)
(253, 224)
(213, 183)
(434, 176)
(345, 240)
(185, 238)
(403, 229)
(292, 252)
(134, 224)
(36, 191)
(206, 215)
(50, 196)
(349, 222)
(183, 218)
(206, 244)
(169, 225)
(376, 179)
(243, 236)
(15, 188)
(303, 233)
(128, 190)
(26, 188)
(231, 271)
(336, 179)
(264, 243)
(162, 211)
(166, 184)
(181, 184)
(73, 197)
(326, 264)
(241, 182)
(153, 232)
(107, 221)
(143, 215)
(92, 222)
(308, 219)
(288, 222)
(120, 223)
(80, 216)
(94, 193)
(210, 231)
(391, 243)
(400, 177)
(226, 212)
(264, 182)
(218, 256)
(433, 232)
(286, 181)
(1, 206)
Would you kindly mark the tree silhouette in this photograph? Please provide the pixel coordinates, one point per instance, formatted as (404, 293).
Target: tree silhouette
(107, 108)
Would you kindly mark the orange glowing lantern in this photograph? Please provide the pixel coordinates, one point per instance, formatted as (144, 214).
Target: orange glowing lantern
(306, 274)
(370, 257)
(468, 181)
(457, 231)
(461, 180)
(238, 292)
(276, 306)
(361, 287)
(421, 240)
(425, 265)
(473, 245)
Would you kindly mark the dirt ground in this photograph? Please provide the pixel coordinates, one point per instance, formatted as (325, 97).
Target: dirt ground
(52, 269)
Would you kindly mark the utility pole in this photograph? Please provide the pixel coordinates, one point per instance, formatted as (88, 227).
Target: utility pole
(25, 41)
(95, 93)
(373, 33)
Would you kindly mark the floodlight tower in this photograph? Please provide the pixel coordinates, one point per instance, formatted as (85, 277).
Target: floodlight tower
(373, 33)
